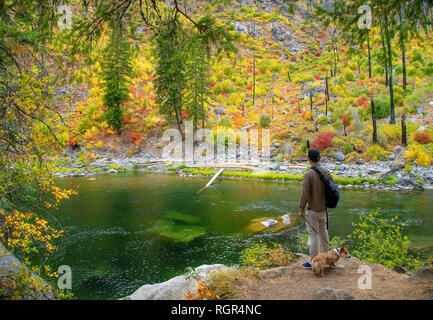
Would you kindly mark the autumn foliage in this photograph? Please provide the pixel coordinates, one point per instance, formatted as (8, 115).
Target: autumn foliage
(135, 137)
(323, 141)
(422, 137)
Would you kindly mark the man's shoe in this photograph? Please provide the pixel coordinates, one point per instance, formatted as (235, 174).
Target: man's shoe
(306, 265)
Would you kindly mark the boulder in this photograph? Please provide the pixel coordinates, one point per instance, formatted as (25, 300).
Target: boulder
(219, 111)
(275, 272)
(177, 287)
(274, 166)
(9, 264)
(360, 161)
(339, 156)
(408, 181)
(240, 28)
(332, 294)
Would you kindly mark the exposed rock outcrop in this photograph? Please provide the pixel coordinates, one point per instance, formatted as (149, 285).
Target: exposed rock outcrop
(177, 287)
(9, 265)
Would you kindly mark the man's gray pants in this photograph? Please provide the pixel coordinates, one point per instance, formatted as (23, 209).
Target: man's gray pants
(317, 231)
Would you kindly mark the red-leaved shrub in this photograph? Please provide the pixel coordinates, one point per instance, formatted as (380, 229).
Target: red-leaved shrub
(135, 137)
(72, 142)
(185, 114)
(346, 121)
(323, 141)
(422, 137)
(362, 102)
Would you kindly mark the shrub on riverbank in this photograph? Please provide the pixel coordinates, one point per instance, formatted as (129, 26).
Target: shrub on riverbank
(381, 241)
(261, 256)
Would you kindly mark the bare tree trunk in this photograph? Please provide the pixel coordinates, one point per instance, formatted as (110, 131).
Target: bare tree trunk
(369, 54)
(403, 50)
(391, 86)
(254, 79)
(403, 59)
(403, 128)
(373, 117)
(385, 56)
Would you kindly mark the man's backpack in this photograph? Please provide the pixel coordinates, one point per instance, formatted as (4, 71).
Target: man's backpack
(332, 193)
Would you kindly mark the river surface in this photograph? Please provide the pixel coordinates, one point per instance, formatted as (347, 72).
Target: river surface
(131, 229)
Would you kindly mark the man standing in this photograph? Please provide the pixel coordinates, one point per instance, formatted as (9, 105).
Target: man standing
(313, 207)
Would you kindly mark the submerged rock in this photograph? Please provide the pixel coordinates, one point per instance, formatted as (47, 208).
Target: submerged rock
(287, 219)
(271, 224)
(178, 228)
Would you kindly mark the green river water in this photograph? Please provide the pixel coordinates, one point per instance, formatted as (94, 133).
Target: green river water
(126, 230)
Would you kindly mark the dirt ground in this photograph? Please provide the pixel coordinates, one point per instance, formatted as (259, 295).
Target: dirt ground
(302, 284)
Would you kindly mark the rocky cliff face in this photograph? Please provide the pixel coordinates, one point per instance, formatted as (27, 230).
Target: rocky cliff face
(10, 265)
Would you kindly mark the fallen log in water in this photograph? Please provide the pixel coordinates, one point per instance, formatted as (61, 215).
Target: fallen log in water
(211, 180)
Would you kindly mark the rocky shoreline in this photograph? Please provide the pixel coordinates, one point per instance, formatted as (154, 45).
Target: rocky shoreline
(387, 175)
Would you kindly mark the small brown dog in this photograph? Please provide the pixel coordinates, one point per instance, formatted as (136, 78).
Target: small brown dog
(328, 258)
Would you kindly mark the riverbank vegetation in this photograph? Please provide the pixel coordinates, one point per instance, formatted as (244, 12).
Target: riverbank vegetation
(269, 176)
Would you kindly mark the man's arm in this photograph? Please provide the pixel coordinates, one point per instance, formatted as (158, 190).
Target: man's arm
(305, 195)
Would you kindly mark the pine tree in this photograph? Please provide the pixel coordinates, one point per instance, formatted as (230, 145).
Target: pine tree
(170, 80)
(116, 70)
(197, 71)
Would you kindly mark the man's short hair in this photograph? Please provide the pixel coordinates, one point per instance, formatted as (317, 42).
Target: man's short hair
(314, 155)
